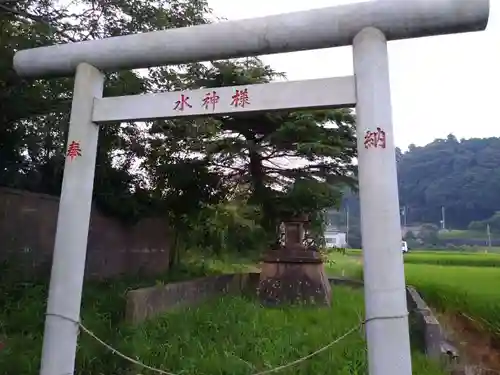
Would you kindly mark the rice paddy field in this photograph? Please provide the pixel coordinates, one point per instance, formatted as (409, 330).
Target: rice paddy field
(472, 292)
(460, 283)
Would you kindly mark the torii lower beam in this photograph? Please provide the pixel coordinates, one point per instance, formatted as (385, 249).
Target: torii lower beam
(322, 93)
(367, 26)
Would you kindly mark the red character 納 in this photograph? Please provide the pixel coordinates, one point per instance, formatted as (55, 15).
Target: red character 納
(380, 138)
(375, 139)
(369, 139)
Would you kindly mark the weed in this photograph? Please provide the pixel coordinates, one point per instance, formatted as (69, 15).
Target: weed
(226, 336)
(238, 336)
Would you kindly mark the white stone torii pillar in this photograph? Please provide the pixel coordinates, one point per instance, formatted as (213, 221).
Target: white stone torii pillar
(367, 26)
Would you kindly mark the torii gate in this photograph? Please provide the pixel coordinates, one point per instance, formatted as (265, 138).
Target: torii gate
(367, 26)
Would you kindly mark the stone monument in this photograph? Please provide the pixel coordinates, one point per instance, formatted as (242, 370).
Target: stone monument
(293, 273)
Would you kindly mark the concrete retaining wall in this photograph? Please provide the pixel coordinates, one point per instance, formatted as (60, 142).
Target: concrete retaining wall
(145, 303)
(431, 334)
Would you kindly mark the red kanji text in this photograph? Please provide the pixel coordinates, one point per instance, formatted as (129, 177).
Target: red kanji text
(182, 103)
(74, 150)
(240, 98)
(375, 139)
(210, 100)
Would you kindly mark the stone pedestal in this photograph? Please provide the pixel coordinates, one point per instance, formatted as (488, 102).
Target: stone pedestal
(293, 274)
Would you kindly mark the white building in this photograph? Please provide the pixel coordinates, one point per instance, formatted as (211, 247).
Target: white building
(334, 237)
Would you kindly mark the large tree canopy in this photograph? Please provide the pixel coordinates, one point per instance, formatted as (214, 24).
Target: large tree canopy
(34, 113)
(277, 162)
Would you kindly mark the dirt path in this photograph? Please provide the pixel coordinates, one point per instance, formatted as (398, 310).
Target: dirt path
(479, 349)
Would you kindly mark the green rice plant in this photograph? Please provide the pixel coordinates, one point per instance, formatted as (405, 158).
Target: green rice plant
(458, 283)
(454, 259)
(470, 291)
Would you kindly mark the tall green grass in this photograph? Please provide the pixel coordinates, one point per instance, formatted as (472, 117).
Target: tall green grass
(22, 315)
(342, 265)
(225, 336)
(237, 336)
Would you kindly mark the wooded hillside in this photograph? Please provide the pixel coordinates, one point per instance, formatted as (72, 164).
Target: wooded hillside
(463, 176)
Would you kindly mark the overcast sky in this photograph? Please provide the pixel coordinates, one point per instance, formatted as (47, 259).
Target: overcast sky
(440, 85)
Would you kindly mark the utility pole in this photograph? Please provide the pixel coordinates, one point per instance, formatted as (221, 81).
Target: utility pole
(347, 224)
(488, 232)
(404, 214)
(443, 222)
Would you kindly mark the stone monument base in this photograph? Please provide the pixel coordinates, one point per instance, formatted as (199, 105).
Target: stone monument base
(293, 277)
